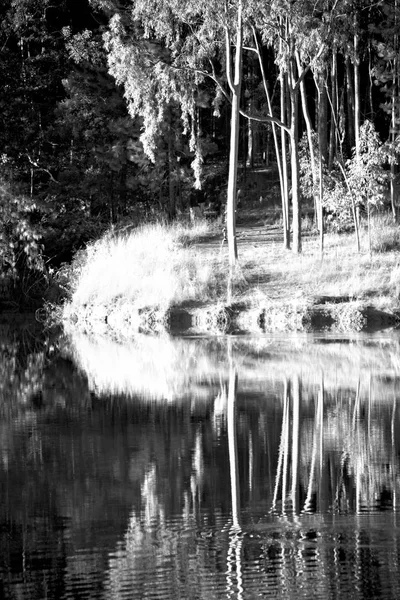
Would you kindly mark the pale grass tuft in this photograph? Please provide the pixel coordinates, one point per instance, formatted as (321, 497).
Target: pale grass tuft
(384, 234)
(154, 265)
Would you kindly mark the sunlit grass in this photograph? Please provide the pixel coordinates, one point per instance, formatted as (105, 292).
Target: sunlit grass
(154, 265)
(280, 275)
(160, 266)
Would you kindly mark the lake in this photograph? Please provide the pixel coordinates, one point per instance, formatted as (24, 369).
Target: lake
(203, 467)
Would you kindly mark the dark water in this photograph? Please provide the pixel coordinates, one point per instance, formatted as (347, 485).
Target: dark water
(199, 468)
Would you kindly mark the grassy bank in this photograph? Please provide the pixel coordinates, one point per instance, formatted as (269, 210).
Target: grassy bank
(158, 267)
(152, 266)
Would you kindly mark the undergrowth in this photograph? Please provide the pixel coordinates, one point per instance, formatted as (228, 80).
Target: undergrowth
(153, 265)
(159, 266)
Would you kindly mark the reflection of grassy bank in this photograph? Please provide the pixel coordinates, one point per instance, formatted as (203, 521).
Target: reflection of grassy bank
(159, 268)
(168, 368)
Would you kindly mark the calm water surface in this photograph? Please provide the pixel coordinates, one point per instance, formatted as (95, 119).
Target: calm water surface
(170, 468)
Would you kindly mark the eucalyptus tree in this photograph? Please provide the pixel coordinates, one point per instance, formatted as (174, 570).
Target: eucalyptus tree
(163, 52)
(299, 32)
(386, 73)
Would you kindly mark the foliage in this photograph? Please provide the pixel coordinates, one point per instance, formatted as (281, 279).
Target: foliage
(19, 241)
(366, 175)
(366, 179)
(385, 234)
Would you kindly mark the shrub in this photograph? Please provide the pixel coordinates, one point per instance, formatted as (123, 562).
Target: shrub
(384, 234)
(153, 265)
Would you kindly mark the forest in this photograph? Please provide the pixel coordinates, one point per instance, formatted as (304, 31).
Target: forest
(122, 112)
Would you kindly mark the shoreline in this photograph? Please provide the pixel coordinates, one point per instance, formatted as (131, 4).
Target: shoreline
(321, 315)
(174, 280)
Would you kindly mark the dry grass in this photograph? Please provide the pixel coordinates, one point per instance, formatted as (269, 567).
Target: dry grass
(163, 266)
(154, 265)
(279, 275)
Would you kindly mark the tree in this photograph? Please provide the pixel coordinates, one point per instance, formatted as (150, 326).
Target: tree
(164, 51)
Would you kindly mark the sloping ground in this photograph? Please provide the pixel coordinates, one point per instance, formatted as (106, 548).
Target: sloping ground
(274, 290)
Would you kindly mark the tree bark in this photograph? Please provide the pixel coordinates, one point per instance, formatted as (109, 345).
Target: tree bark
(294, 158)
(334, 109)
(323, 118)
(235, 86)
(307, 119)
(357, 111)
(350, 103)
(171, 165)
(285, 182)
(394, 116)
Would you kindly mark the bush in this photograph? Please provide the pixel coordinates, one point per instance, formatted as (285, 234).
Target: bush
(385, 235)
(21, 259)
(153, 265)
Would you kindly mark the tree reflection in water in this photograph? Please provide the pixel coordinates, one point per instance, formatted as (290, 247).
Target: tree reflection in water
(202, 468)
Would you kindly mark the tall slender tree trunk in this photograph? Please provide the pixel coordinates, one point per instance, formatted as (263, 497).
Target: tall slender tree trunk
(319, 86)
(334, 109)
(357, 91)
(250, 143)
(171, 167)
(371, 84)
(394, 115)
(294, 157)
(357, 100)
(307, 119)
(285, 182)
(323, 118)
(350, 103)
(234, 138)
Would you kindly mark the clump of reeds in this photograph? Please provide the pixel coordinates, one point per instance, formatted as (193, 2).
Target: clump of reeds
(153, 265)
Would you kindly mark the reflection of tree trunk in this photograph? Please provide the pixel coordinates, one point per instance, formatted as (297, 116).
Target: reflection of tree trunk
(234, 558)
(317, 425)
(295, 440)
(232, 441)
(394, 454)
(356, 439)
(282, 443)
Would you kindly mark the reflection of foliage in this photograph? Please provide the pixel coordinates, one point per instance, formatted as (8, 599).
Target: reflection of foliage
(22, 360)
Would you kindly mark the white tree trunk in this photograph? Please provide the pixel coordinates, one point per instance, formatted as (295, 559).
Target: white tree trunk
(234, 139)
